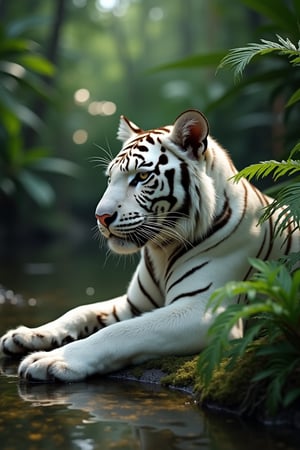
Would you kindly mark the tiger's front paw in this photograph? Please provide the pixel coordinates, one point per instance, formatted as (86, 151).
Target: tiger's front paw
(24, 340)
(51, 366)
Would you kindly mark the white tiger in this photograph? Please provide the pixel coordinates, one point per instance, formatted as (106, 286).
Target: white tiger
(171, 197)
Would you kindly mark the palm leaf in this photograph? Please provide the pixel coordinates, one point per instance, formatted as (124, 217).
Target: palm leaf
(265, 168)
(239, 58)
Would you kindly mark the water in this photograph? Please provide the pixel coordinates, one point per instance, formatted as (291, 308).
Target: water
(100, 413)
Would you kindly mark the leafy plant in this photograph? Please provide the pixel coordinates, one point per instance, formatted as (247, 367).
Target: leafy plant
(288, 196)
(239, 58)
(22, 72)
(273, 312)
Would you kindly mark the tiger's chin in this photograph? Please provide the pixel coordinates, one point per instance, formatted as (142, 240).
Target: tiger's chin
(122, 246)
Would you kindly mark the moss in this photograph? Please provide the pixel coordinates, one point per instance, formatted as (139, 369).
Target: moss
(181, 372)
(174, 371)
(232, 386)
(229, 386)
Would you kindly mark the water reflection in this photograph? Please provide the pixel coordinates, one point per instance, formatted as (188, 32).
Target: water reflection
(127, 413)
(112, 414)
(149, 411)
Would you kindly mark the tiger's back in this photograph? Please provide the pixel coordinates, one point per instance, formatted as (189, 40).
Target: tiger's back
(171, 197)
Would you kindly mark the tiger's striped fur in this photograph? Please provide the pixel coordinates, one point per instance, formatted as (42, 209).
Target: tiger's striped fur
(171, 197)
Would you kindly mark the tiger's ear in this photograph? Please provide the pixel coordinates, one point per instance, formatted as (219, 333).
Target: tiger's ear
(190, 131)
(127, 129)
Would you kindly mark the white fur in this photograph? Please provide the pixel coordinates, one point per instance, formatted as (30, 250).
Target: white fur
(173, 295)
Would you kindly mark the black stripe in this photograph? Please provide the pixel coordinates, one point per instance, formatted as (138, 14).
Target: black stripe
(179, 251)
(146, 294)
(134, 310)
(237, 225)
(150, 269)
(264, 202)
(191, 294)
(256, 256)
(187, 274)
(186, 182)
(221, 220)
(150, 139)
(115, 314)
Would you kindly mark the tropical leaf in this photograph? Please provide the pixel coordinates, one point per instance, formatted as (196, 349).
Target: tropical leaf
(23, 113)
(12, 47)
(295, 150)
(275, 168)
(56, 165)
(294, 98)
(239, 58)
(37, 64)
(195, 61)
(288, 205)
(274, 304)
(37, 188)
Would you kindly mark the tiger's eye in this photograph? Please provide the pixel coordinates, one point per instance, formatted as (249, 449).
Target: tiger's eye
(143, 176)
(139, 177)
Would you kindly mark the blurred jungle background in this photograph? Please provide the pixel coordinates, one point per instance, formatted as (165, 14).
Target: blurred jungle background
(70, 68)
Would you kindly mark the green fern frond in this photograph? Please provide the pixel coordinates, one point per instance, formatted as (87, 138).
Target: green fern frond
(288, 202)
(239, 58)
(295, 149)
(265, 168)
(273, 301)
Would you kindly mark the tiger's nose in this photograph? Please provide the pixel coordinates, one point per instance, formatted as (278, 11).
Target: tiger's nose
(106, 219)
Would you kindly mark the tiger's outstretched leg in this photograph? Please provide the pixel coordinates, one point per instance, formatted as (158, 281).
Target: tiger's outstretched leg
(77, 323)
(151, 335)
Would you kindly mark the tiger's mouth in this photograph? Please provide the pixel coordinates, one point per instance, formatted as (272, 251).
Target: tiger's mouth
(126, 244)
(131, 242)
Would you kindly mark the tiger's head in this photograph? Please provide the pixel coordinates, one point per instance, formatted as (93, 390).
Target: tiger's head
(158, 190)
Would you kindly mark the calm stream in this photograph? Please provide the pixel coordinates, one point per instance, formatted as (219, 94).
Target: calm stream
(100, 413)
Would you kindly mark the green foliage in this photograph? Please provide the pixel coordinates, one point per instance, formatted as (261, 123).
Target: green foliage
(263, 169)
(194, 61)
(22, 74)
(273, 315)
(21, 69)
(287, 198)
(282, 77)
(272, 309)
(239, 58)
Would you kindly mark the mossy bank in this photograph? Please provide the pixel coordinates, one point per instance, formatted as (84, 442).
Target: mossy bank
(231, 388)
